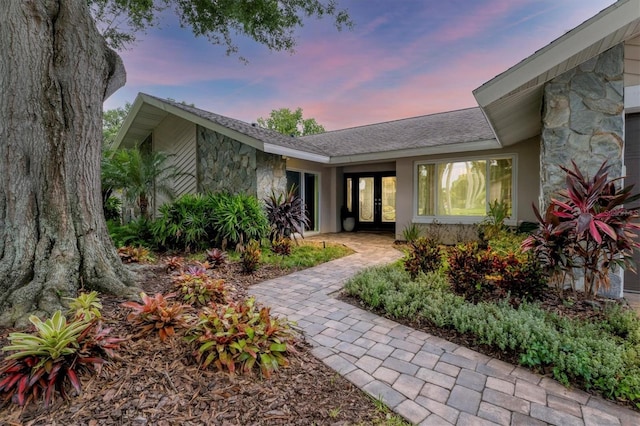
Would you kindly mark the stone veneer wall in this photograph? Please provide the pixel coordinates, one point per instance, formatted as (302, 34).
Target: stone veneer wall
(225, 164)
(583, 121)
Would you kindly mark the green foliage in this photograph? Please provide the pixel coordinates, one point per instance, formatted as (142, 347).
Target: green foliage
(157, 313)
(306, 255)
(52, 359)
(588, 228)
(281, 246)
(112, 120)
(194, 221)
(135, 233)
(600, 355)
(411, 232)
(493, 224)
(85, 306)
(139, 175)
(112, 209)
(425, 256)
(241, 336)
(269, 23)
(286, 214)
(290, 123)
(200, 289)
(250, 257)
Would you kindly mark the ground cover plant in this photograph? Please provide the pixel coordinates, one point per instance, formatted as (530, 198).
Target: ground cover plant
(596, 350)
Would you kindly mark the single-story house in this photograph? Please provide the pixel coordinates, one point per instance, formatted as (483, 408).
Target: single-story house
(577, 99)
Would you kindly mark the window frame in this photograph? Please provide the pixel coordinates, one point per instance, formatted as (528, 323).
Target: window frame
(462, 219)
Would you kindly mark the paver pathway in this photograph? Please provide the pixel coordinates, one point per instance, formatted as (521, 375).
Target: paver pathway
(425, 379)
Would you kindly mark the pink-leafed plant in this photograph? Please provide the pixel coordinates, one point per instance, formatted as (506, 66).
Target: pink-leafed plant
(588, 227)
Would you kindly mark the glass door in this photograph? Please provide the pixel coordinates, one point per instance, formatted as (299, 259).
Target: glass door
(371, 199)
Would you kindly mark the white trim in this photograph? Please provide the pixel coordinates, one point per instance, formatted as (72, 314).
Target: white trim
(632, 99)
(293, 153)
(128, 121)
(586, 35)
(451, 219)
(481, 145)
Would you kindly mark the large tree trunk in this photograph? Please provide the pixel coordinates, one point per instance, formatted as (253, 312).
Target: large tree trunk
(55, 72)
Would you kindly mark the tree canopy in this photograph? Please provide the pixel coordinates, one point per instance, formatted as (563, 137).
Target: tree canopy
(290, 123)
(271, 23)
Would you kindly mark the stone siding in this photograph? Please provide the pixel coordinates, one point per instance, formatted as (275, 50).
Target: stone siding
(225, 164)
(583, 121)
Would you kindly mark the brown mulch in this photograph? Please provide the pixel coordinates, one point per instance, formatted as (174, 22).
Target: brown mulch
(159, 383)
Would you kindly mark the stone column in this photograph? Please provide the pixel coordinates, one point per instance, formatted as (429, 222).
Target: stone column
(583, 121)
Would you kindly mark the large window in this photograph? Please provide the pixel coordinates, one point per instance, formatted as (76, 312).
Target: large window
(463, 188)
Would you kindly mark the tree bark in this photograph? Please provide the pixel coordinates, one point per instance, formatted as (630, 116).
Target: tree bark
(55, 72)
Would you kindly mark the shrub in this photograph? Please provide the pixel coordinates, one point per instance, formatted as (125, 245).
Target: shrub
(198, 288)
(240, 336)
(250, 257)
(112, 208)
(53, 358)
(493, 224)
(174, 263)
(425, 256)
(157, 314)
(281, 246)
(477, 273)
(286, 214)
(237, 219)
(136, 233)
(588, 228)
(411, 232)
(129, 254)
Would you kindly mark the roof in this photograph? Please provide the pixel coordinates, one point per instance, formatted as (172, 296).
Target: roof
(454, 131)
(512, 100)
(148, 111)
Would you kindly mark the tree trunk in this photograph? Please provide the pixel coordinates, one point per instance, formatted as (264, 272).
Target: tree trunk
(55, 72)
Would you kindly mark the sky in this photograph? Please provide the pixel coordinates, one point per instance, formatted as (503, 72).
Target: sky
(403, 58)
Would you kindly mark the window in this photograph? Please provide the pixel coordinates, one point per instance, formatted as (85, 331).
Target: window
(463, 188)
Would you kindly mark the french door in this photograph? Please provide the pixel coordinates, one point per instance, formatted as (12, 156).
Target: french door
(371, 199)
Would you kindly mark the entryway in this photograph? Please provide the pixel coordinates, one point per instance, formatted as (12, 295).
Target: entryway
(371, 199)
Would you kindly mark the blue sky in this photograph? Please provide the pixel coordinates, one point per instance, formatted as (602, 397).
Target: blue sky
(404, 58)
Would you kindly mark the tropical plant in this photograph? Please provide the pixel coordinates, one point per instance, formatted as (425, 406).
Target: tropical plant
(281, 246)
(112, 209)
(135, 233)
(493, 224)
(157, 313)
(587, 228)
(240, 336)
(198, 288)
(139, 175)
(216, 257)
(85, 306)
(286, 214)
(425, 256)
(53, 358)
(130, 254)
(174, 263)
(411, 232)
(250, 257)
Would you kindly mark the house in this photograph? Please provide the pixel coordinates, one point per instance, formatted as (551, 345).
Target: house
(577, 99)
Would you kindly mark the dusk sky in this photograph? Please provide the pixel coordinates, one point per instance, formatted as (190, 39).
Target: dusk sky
(403, 58)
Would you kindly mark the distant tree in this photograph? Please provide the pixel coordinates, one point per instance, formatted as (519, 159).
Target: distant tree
(112, 120)
(290, 123)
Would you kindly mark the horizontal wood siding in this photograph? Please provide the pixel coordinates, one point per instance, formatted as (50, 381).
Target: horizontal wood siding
(177, 137)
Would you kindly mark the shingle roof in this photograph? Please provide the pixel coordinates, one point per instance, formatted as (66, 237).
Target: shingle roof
(447, 128)
(254, 131)
(423, 132)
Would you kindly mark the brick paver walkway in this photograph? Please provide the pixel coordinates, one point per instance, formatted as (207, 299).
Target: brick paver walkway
(425, 379)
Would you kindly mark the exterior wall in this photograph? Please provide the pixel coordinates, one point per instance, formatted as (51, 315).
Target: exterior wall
(527, 184)
(177, 137)
(583, 120)
(225, 164)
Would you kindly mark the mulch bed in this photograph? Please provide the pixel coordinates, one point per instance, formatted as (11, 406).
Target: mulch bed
(159, 383)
